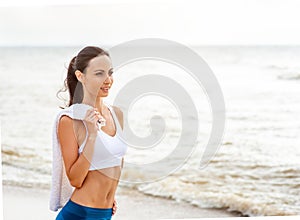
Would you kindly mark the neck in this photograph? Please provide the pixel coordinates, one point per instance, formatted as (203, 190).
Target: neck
(98, 103)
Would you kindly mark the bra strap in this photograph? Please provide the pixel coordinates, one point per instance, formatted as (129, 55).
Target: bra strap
(85, 139)
(115, 117)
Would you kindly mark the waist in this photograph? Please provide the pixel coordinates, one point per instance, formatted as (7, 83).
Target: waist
(98, 189)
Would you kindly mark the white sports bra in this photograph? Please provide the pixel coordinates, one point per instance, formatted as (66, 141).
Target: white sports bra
(108, 150)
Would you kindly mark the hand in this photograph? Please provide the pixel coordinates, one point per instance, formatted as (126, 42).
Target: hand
(91, 118)
(114, 207)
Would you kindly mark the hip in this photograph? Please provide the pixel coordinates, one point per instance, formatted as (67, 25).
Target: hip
(75, 211)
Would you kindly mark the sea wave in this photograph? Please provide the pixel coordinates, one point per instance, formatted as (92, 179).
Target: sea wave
(196, 193)
(289, 76)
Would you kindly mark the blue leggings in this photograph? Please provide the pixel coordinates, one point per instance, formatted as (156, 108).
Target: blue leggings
(74, 211)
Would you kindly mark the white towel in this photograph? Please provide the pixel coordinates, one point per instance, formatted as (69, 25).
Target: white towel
(61, 189)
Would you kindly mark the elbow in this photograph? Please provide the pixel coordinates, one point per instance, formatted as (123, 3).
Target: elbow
(76, 183)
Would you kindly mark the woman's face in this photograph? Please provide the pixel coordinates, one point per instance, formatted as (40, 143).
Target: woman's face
(98, 77)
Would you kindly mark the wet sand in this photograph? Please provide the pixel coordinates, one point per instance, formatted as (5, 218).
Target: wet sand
(32, 204)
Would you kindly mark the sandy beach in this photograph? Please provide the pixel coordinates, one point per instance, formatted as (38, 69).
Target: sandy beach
(30, 204)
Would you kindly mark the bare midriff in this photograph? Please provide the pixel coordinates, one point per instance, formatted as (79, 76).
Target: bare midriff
(98, 189)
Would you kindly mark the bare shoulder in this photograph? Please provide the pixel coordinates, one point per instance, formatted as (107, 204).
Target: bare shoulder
(66, 132)
(69, 128)
(65, 124)
(119, 114)
(65, 120)
(117, 109)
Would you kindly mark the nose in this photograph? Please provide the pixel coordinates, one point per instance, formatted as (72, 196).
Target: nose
(108, 80)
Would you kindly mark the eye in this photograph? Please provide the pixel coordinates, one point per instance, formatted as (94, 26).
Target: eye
(110, 73)
(99, 73)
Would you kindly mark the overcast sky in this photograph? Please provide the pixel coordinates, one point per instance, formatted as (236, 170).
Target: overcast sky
(199, 22)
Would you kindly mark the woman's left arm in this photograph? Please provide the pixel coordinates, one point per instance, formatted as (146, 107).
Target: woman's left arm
(119, 114)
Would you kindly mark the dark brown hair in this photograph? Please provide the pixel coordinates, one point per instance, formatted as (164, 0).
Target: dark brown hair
(79, 62)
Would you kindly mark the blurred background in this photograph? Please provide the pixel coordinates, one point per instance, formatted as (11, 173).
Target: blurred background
(252, 48)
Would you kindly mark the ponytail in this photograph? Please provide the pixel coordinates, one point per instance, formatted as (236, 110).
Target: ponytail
(75, 87)
(72, 84)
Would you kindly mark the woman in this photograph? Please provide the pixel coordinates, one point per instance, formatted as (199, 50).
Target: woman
(93, 174)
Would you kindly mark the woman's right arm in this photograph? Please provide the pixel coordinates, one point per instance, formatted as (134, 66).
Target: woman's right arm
(77, 166)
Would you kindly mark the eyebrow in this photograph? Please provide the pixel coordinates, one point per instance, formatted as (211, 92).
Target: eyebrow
(103, 70)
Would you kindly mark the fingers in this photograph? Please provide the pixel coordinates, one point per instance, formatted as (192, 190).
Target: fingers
(92, 114)
(96, 112)
(114, 207)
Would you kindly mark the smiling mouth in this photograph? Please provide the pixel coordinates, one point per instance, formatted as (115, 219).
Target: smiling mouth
(105, 89)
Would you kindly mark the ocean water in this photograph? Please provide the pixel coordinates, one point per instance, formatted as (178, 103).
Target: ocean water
(255, 171)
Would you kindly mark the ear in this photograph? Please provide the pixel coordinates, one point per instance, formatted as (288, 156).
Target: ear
(79, 75)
